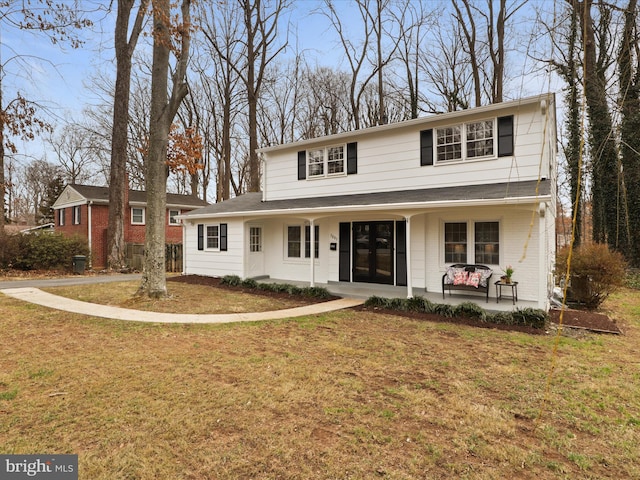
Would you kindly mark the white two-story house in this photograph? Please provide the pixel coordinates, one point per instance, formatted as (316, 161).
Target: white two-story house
(396, 204)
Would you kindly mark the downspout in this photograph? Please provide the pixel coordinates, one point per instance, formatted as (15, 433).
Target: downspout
(89, 231)
(312, 251)
(408, 250)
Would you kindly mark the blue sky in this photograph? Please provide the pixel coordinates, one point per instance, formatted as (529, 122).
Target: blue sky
(57, 75)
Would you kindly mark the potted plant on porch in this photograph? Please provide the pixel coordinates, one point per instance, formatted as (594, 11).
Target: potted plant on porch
(508, 272)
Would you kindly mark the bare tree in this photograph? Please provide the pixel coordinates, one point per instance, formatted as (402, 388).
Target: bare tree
(18, 115)
(225, 49)
(261, 29)
(164, 107)
(74, 154)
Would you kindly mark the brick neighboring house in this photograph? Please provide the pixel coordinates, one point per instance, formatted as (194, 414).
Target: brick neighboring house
(84, 210)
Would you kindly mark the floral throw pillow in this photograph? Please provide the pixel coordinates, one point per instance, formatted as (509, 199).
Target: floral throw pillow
(460, 277)
(474, 279)
(485, 274)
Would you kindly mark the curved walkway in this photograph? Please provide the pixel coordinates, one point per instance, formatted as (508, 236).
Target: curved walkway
(37, 296)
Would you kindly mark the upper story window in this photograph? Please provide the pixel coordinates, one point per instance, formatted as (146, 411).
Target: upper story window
(484, 139)
(76, 215)
(478, 141)
(172, 217)
(137, 216)
(326, 161)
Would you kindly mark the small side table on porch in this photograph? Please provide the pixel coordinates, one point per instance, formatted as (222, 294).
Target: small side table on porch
(514, 290)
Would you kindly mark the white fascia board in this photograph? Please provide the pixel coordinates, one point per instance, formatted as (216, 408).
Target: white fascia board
(70, 204)
(342, 209)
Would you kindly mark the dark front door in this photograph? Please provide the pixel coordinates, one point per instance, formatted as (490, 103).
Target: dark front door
(373, 252)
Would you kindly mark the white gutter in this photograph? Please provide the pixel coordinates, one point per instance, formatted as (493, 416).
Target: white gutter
(89, 232)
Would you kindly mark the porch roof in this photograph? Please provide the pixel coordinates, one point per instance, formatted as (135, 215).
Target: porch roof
(467, 195)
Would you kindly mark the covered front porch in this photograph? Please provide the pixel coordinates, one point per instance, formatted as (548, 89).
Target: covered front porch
(366, 290)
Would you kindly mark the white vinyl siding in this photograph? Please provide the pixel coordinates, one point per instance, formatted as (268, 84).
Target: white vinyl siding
(389, 156)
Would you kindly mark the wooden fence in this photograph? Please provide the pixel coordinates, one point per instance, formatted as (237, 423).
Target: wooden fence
(172, 255)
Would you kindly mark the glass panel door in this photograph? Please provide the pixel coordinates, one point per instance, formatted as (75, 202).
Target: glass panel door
(373, 252)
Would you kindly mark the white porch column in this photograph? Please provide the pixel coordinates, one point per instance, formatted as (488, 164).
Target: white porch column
(408, 248)
(312, 248)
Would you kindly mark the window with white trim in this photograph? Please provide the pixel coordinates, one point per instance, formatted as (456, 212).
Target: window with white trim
(465, 142)
(172, 217)
(137, 216)
(326, 161)
(297, 237)
(455, 242)
(76, 215)
(212, 239)
(61, 217)
(484, 242)
(487, 243)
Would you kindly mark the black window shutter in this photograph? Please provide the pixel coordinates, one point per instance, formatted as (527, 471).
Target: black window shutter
(302, 165)
(344, 260)
(401, 253)
(223, 237)
(79, 214)
(426, 147)
(352, 158)
(200, 236)
(505, 136)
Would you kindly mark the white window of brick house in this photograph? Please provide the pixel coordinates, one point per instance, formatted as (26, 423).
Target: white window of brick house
(76, 214)
(172, 217)
(137, 216)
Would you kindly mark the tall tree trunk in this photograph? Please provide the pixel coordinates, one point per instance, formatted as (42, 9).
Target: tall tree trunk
(630, 126)
(603, 150)
(118, 183)
(163, 111)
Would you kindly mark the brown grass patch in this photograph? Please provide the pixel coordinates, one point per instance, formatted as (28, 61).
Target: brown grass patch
(343, 395)
(183, 298)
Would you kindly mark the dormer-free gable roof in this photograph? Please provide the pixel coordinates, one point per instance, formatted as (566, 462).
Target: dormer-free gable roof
(423, 122)
(75, 194)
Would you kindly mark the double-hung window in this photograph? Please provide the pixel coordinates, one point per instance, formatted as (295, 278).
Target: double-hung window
(455, 242)
(213, 237)
(479, 139)
(61, 217)
(298, 237)
(137, 216)
(76, 215)
(172, 217)
(467, 141)
(449, 143)
(326, 161)
(487, 242)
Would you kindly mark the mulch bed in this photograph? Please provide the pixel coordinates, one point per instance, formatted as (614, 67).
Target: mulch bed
(580, 319)
(583, 319)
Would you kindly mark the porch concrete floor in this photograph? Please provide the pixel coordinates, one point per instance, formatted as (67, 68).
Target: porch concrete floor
(366, 290)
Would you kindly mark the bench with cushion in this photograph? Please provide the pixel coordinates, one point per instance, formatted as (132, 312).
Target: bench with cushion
(463, 276)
